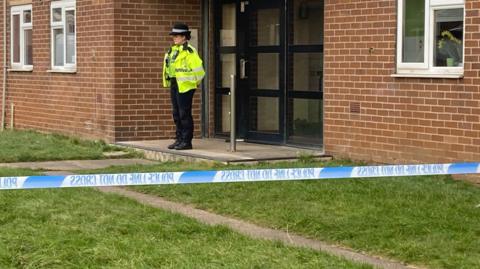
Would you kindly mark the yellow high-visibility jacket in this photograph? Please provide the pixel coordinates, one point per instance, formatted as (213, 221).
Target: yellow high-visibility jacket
(183, 63)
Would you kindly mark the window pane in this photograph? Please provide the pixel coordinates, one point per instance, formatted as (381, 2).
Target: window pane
(16, 38)
(27, 16)
(225, 114)
(58, 47)
(413, 31)
(308, 22)
(57, 14)
(264, 114)
(227, 68)
(227, 33)
(448, 49)
(306, 121)
(307, 72)
(28, 47)
(266, 75)
(266, 28)
(70, 28)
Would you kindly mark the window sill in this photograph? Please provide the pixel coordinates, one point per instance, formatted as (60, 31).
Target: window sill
(417, 75)
(20, 70)
(66, 71)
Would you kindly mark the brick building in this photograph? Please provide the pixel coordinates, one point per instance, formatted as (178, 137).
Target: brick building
(383, 80)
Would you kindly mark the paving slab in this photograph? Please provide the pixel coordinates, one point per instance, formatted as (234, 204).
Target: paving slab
(76, 164)
(215, 150)
(219, 150)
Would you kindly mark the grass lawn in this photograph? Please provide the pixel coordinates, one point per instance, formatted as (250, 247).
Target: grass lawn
(17, 172)
(26, 146)
(430, 220)
(83, 228)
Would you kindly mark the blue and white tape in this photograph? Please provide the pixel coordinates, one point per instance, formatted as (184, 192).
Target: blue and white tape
(187, 177)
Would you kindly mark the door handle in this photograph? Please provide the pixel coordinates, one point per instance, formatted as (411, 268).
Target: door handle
(243, 4)
(243, 69)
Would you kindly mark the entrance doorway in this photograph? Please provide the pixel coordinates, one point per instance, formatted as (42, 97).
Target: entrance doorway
(275, 50)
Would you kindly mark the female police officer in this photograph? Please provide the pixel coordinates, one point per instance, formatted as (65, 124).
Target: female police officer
(182, 72)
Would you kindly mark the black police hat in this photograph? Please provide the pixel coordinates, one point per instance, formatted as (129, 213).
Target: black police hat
(180, 29)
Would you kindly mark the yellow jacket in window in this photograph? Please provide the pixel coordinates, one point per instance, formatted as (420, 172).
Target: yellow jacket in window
(183, 63)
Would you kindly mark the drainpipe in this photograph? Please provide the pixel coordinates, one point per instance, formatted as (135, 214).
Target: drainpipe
(4, 88)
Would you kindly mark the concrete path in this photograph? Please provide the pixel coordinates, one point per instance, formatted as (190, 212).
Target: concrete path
(76, 165)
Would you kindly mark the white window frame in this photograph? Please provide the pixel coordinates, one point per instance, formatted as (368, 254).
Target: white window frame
(18, 10)
(65, 5)
(427, 68)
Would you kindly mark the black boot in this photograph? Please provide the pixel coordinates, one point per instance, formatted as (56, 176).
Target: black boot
(183, 145)
(176, 143)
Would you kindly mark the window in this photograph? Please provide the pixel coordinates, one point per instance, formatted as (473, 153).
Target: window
(63, 35)
(430, 37)
(21, 37)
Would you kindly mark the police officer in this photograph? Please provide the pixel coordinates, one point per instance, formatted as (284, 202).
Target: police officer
(182, 72)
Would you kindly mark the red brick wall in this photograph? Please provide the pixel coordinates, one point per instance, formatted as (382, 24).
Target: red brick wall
(77, 104)
(400, 119)
(1, 57)
(142, 106)
(116, 93)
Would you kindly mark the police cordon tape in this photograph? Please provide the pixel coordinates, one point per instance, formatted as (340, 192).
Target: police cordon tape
(252, 175)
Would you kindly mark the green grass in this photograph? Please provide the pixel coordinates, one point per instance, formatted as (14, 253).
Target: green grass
(83, 228)
(26, 146)
(431, 220)
(16, 172)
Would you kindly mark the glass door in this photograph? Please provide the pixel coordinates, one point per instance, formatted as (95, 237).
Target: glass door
(250, 45)
(304, 111)
(261, 70)
(275, 49)
(226, 59)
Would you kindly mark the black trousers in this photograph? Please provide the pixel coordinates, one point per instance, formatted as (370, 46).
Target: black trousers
(182, 113)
